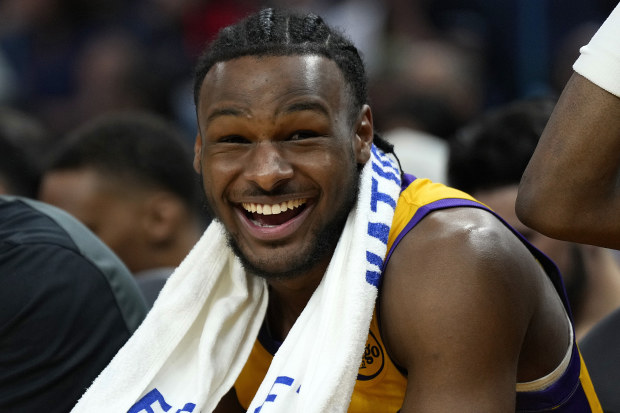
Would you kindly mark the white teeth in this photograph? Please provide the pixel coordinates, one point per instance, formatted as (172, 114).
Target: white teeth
(273, 209)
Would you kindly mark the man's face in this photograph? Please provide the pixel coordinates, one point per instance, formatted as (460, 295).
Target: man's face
(114, 217)
(278, 155)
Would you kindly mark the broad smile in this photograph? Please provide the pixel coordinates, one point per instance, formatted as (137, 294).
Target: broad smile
(271, 215)
(274, 221)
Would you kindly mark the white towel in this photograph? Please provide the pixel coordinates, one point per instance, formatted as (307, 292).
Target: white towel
(194, 342)
(599, 60)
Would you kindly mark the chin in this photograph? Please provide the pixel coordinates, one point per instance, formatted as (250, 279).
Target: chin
(280, 265)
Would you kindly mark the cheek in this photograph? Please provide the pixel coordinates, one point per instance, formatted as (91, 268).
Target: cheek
(337, 157)
(122, 235)
(216, 178)
(339, 174)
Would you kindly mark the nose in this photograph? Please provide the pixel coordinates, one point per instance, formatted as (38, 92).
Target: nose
(267, 167)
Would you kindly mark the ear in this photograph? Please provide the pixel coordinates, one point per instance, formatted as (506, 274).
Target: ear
(364, 133)
(163, 214)
(198, 153)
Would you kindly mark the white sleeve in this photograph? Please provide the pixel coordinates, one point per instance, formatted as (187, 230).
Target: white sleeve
(599, 61)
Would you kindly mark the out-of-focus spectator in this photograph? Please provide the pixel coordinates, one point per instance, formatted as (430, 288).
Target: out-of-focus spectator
(129, 178)
(61, 50)
(435, 85)
(111, 74)
(45, 43)
(487, 159)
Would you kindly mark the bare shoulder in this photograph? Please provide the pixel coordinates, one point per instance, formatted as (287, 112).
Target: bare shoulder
(457, 259)
(457, 301)
(460, 244)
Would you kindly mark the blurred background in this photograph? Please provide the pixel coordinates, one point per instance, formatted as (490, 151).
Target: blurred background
(433, 64)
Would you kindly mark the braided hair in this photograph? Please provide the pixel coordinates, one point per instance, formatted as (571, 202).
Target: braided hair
(276, 32)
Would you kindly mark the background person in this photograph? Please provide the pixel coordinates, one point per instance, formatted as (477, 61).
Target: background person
(67, 304)
(127, 176)
(487, 159)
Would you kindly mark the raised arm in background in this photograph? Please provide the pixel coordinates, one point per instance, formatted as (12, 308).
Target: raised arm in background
(570, 189)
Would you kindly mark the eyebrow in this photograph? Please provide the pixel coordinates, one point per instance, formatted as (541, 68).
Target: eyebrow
(303, 106)
(224, 112)
(292, 108)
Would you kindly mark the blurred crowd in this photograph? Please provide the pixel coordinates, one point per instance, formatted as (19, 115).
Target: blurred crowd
(97, 117)
(433, 64)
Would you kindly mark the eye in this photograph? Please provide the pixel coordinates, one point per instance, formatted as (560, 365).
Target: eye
(303, 134)
(233, 139)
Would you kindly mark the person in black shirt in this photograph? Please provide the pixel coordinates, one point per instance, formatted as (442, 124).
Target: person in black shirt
(67, 304)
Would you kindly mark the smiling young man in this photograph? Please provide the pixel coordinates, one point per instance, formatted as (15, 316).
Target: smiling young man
(465, 319)
(283, 127)
(278, 167)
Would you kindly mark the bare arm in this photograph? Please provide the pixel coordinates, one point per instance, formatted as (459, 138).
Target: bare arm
(459, 296)
(570, 188)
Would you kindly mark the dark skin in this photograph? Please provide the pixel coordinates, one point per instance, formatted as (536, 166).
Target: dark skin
(569, 189)
(464, 307)
(475, 316)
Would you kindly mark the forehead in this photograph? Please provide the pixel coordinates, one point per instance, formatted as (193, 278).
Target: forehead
(265, 80)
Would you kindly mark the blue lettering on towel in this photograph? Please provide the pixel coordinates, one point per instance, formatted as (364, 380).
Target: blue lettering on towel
(373, 277)
(382, 157)
(288, 381)
(189, 408)
(386, 172)
(379, 231)
(152, 399)
(376, 196)
(387, 175)
(373, 258)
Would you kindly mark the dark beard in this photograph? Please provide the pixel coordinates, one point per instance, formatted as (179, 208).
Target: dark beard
(325, 238)
(206, 212)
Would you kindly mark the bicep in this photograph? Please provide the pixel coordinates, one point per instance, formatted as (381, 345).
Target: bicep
(452, 317)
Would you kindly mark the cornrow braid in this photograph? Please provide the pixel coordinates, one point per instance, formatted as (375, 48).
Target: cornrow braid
(277, 32)
(273, 32)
